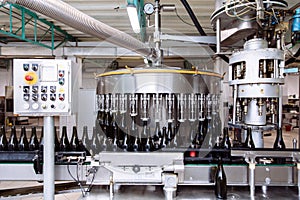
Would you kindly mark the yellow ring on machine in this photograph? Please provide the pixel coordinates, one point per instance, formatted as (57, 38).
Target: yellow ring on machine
(153, 70)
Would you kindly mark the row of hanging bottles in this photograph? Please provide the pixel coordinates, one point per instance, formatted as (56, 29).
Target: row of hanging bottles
(35, 142)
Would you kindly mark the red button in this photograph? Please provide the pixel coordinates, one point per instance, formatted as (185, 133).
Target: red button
(28, 78)
(193, 154)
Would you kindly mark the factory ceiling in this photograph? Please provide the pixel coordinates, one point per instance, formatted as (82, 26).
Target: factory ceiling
(114, 13)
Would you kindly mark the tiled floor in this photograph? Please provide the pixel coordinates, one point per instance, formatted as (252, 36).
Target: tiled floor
(76, 194)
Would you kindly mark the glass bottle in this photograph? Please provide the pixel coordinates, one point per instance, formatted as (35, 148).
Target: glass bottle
(125, 143)
(136, 144)
(201, 132)
(144, 136)
(174, 142)
(56, 141)
(74, 143)
(13, 141)
(249, 141)
(85, 138)
(134, 136)
(163, 143)
(33, 142)
(64, 144)
(115, 136)
(3, 139)
(23, 142)
(226, 142)
(169, 133)
(220, 182)
(95, 145)
(41, 143)
(157, 136)
(149, 144)
(209, 134)
(279, 144)
(193, 134)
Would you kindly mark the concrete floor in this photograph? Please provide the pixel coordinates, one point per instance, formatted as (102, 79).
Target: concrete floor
(136, 192)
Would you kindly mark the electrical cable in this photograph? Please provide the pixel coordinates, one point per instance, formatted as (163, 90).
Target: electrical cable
(199, 27)
(293, 59)
(183, 19)
(91, 184)
(79, 182)
(76, 180)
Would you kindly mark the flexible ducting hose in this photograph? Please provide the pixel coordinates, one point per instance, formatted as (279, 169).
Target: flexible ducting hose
(78, 20)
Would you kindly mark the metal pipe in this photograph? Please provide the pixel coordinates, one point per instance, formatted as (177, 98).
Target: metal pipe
(298, 170)
(49, 186)
(78, 20)
(218, 36)
(157, 34)
(252, 178)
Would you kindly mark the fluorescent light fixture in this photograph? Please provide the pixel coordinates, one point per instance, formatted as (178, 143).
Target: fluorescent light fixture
(134, 19)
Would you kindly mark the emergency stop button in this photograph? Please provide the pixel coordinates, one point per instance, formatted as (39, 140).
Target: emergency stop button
(30, 78)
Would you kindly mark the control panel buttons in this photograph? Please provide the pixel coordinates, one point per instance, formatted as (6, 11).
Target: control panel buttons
(61, 81)
(35, 89)
(52, 89)
(44, 97)
(29, 78)
(26, 106)
(26, 89)
(35, 106)
(52, 106)
(35, 67)
(61, 97)
(44, 89)
(44, 106)
(52, 97)
(34, 97)
(26, 97)
(26, 67)
(61, 73)
(61, 106)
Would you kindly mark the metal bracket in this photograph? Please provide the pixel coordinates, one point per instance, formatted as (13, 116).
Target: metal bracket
(30, 20)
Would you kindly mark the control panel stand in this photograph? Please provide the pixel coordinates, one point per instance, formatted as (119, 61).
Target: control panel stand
(42, 87)
(48, 167)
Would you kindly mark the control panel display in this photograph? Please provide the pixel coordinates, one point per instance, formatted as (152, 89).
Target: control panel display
(42, 87)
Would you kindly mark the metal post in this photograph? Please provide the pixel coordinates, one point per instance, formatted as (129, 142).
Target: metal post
(299, 114)
(252, 177)
(298, 170)
(234, 103)
(280, 107)
(48, 166)
(157, 32)
(218, 35)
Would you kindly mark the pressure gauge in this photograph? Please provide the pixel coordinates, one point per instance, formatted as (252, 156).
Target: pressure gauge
(148, 8)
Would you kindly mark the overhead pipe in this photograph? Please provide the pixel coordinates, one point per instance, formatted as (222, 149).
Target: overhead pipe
(78, 20)
(199, 27)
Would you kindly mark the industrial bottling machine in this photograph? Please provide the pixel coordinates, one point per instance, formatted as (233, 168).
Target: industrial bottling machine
(167, 126)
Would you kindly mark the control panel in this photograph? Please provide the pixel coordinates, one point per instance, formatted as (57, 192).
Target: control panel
(42, 87)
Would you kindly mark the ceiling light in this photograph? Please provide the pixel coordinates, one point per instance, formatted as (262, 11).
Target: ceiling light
(134, 19)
